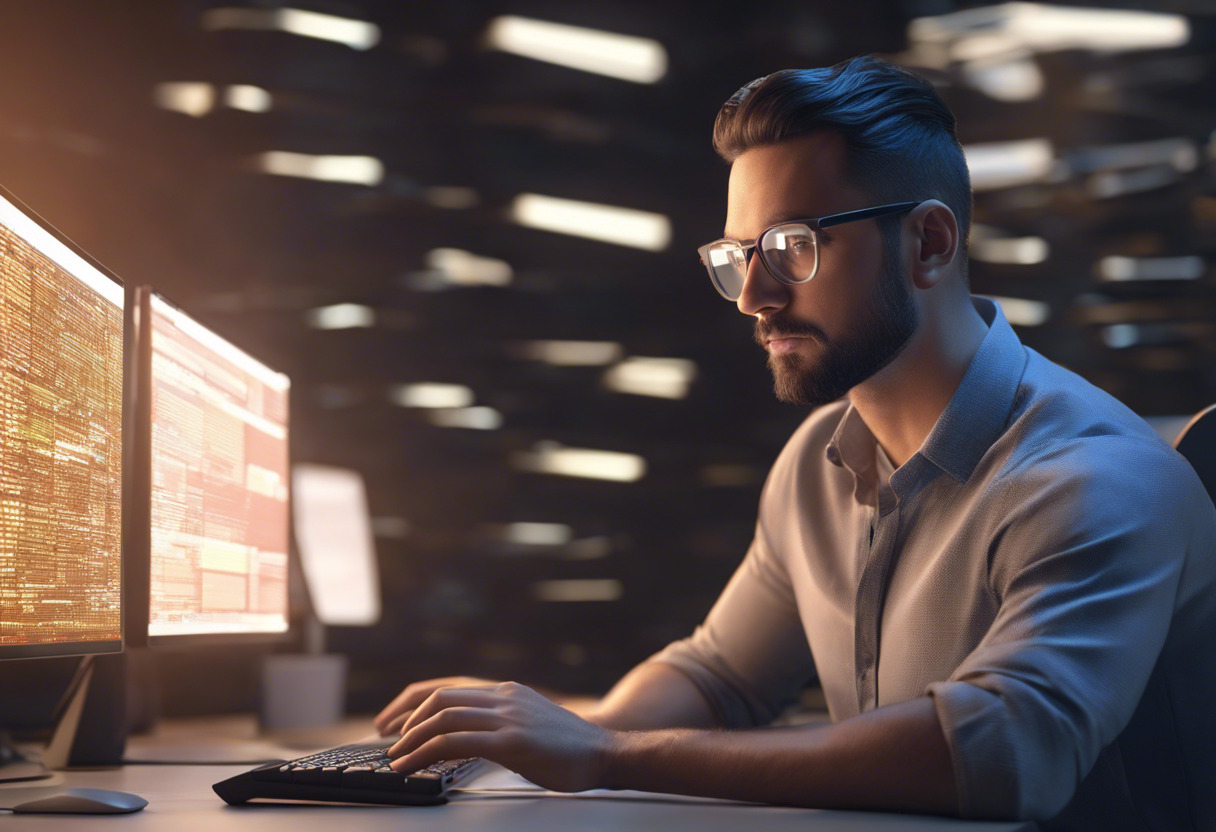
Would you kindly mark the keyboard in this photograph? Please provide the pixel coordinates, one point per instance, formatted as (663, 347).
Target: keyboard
(346, 774)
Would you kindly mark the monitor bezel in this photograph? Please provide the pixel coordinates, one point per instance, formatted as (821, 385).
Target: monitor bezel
(142, 491)
(61, 649)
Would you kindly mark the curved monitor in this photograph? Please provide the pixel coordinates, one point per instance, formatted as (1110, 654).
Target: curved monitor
(61, 448)
(218, 483)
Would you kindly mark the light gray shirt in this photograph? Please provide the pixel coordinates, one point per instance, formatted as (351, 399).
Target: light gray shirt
(1044, 567)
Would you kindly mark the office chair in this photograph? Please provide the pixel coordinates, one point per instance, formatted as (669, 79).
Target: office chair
(1197, 442)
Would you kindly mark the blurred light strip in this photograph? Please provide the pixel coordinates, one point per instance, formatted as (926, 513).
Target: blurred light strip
(606, 223)
(462, 268)
(342, 316)
(1022, 312)
(605, 589)
(1117, 269)
(470, 418)
(355, 170)
(629, 58)
(193, 98)
(581, 462)
(573, 353)
(249, 98)
(1020, 251)
(431, 394)
(537, 534)
(664, 378)
(1010, 28)
(357, 34)
(1004, 164)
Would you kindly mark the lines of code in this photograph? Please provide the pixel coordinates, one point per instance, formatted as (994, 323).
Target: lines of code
(219, 492)
(60, 453)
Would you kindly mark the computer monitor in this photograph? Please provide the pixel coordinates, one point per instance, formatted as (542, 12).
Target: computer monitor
(337, 550)
(61, 445)
(215, 482)
(61, 411)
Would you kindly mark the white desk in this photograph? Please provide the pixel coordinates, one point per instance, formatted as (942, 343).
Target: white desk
(180, 800)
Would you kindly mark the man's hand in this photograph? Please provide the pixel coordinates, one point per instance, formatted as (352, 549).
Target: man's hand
(393, 717)
(511, 725)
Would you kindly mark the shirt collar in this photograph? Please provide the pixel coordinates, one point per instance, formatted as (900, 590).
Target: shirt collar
(980, 407)
(973, 419)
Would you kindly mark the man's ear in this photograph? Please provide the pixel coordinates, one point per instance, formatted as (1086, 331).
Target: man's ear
(935, 241)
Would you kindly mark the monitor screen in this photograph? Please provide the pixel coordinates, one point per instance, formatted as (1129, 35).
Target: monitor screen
(334, 538)
(219, 484)
(61, 410)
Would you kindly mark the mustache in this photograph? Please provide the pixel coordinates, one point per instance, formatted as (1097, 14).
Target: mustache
(774, 326)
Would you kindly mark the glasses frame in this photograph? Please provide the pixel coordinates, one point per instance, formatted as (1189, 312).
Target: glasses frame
(815, 224)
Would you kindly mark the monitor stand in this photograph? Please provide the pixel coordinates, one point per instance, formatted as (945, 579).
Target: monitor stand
(90, 724)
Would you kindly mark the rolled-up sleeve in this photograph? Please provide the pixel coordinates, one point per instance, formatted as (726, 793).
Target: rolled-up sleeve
(1085, 567)
(750, 656)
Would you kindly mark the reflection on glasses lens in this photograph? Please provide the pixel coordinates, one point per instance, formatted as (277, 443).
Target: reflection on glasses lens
(791, 252)
(728, 268)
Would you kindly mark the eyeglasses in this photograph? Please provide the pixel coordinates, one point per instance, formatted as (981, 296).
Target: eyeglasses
(789, 250)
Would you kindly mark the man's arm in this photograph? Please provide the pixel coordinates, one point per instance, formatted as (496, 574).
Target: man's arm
(652, 695)
(893, 758)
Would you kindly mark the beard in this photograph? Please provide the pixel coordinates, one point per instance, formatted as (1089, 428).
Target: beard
(879, 334)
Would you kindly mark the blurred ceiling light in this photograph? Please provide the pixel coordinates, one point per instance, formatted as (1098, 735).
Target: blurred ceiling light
(461, 268)
(606, 223)
(572, 353)
(551, 458)
(356, 170)
(189, 97)
(1023, 312)
(605, 53)
(1020, 251)
(537, 534)
(665, 378)
(605, 589)
(249, 98)
(1117, 269)
(1122, 336)
(589, 548)
(1017, 79)
(395, 528)
(1014, 28)
(431, 394)
(357, 34)
(1004, 164)
(342, 316)
(452, 197)
(1182, 154)
(1117, 183)
(470, 418)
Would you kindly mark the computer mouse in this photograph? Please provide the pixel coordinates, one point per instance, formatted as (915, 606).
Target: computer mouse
(83, 802)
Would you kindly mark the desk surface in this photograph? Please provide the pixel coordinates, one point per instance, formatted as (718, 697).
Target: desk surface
(180, 798)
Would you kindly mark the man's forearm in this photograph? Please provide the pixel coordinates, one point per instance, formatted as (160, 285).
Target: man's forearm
(650, 696)
(893, 758)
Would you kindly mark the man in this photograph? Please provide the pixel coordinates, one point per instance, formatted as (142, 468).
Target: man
(1005, 582)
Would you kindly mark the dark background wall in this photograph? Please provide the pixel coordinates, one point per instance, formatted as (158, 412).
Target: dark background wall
(174, 200)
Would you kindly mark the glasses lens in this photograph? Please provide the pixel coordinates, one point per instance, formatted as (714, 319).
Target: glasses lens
(728, 268)
(791, 252)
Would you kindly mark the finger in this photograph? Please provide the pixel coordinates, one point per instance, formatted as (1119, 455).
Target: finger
(447, 747)
(483, 697)
(447, 721)
(394, 727)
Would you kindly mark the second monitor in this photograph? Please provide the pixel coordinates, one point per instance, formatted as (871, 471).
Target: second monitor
(217, 481)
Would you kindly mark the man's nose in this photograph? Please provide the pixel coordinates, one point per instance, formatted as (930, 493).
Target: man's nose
(762, 293)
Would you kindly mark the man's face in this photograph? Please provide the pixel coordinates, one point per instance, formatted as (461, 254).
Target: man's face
(855, 316)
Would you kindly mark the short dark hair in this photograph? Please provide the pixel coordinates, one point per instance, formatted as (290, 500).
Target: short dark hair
(900, 141)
